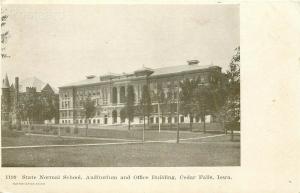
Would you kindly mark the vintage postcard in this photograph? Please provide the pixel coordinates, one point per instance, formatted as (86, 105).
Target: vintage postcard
(152, 97)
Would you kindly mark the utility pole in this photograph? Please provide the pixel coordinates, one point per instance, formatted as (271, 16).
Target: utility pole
(144, 126)
(177, 113)
(143, 108)
(158, 117)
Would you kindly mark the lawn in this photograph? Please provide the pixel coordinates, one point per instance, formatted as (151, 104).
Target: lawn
(51, 140)
(197, 151)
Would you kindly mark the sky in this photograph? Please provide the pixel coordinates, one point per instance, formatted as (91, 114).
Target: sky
(60, 44)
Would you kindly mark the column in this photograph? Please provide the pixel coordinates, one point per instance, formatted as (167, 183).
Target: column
(118, 95)
(136, 93)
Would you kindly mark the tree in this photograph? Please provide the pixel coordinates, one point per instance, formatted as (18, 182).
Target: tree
(230, 111)
(159, 96)
(89, 110)
(169, 101)
(145, 106)
(210, 98)
(233, 89)
(56, 104)
(129, 105)
(202, 103)
(218, 95)
(146, 102)
(187, 96)
(49, 107)
(4, 33)
(30, 108)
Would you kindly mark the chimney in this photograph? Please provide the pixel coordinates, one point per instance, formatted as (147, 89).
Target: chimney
(90, 76)
(193, 62)
(17, 88)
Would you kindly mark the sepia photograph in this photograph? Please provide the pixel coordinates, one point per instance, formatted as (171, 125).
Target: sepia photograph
(120, 85)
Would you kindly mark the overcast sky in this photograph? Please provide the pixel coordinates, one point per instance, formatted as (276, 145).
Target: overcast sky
(60, 44)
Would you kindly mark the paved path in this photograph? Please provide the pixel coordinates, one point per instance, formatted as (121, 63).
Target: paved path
(104, 144)
(72, 145)
(202, 137)
(74, 137)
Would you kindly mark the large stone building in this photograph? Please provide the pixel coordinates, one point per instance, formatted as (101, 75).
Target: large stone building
(109, 93)
(13, 96)
(9, 102)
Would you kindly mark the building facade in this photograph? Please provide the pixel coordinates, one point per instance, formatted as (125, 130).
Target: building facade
(109, 94)
(9, 101)
(13, 97)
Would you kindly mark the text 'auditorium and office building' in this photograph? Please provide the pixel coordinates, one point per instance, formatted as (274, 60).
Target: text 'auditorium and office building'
(109, 94)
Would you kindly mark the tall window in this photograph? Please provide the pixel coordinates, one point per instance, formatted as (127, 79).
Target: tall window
(104, 96)
(122, 94)
(115, 95)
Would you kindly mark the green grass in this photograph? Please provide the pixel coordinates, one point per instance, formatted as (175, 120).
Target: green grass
(217, 151)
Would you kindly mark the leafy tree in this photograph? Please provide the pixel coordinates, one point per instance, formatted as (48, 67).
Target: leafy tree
(232, 107)
(187, 98)
(89, 110)
(50, 107)
(30, 107)
(202, 103)
(4, 33)
(159, 96)
(145, 104)
(169, 101)
(210, 98)
(129, 105)
(56, 104)
(218, 93)
(229, 112)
